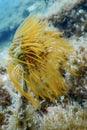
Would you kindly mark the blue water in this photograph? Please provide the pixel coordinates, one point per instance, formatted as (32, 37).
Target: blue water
(13, 12)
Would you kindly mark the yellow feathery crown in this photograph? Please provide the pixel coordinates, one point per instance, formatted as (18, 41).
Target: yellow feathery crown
(37, 55)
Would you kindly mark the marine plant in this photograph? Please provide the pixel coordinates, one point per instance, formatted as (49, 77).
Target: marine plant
(37, 55)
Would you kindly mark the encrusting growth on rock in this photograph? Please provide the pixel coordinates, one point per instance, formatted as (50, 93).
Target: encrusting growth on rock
(37, 55)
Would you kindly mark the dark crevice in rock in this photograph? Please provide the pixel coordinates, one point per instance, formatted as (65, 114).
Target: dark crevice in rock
(73, 21)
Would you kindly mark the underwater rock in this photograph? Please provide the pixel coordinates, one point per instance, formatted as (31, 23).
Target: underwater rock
(73, 117)
(5, 99)
(2, 70)
(78, 91)
(37, 7)
(2, 118)
(72, 22)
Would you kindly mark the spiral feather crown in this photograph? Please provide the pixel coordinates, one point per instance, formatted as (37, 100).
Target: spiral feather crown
(36, 56)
